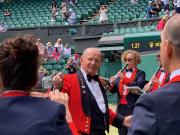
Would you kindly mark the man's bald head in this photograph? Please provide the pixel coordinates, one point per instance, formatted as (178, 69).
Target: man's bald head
(172, 30)
(171, 33)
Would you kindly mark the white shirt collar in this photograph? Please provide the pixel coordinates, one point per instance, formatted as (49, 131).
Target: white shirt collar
(84, 74)
(175, 73)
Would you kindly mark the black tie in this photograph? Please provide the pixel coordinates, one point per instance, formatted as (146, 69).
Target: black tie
(95, 78)
(129, 70)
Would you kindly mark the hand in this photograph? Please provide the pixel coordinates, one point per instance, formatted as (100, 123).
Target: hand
(127, 121)
(61, 98)
(113, 79)
(155, 80)
(121, 75)
(147, 87)
(58, 81)
(39, 94)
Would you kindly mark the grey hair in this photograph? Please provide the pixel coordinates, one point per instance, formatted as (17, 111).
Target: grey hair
(94, 49)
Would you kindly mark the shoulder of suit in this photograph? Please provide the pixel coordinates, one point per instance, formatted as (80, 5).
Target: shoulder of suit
(41, 107)
(160, 91)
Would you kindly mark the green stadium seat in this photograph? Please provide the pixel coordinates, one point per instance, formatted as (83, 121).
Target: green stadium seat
(57, 67)
(61, 61)
(48, 67)
(51, 62)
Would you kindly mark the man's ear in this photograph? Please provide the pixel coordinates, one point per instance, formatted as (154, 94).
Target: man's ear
(81, 59)
(168, 48)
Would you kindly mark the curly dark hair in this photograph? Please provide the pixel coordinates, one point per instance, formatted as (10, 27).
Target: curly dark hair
(19, 62)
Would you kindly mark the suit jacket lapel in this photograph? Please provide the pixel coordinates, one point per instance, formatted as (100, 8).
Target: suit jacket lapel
(84, 94)
(106, 104)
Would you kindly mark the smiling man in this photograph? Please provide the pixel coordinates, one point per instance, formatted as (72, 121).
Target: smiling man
(87, 98)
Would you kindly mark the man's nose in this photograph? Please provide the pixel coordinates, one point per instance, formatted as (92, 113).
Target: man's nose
(93, 61)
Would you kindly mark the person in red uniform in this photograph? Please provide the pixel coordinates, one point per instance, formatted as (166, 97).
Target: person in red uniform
(159, 79)
(129, 76)
(87, 98)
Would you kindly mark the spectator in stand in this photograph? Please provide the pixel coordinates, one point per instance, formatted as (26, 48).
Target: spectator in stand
(59, 45)
(41, 48)
(178, 7)
(174, 6)
(42, 73)
(49, 49)
(67, 50)
(102, 14)
(71, 66)
(161, 23)
(71, 17)
(166, 7)
(3, 27)
(157, 6)
(76, 59)
(72, 2)
(54, 10)
(150, 11)
(47, 80)
(56, 54)
(7, 12)
(134, 1)
(64, 11)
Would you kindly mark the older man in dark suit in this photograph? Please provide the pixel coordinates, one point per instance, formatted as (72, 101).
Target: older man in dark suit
(157, 113)
(87, 97)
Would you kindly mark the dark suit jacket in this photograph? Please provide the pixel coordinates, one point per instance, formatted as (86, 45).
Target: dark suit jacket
(138, 81)
(79, 104)
(26, 115)
(158, 113)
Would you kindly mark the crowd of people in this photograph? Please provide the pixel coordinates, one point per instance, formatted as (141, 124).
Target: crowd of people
(155, 7)
(56, 52)
(49, 51)
(67, 13)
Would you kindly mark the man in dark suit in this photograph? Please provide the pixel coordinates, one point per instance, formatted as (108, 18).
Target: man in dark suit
(157, 113)
(22, 114)
(87, 98)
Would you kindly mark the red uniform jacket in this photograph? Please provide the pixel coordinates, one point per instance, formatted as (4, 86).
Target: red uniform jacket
(164, 81)
(81, 120)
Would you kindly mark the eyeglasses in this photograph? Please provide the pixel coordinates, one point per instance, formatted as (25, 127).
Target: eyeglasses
(128, 60)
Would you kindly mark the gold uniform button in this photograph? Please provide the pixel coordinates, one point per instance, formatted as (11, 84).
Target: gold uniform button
(87, 122)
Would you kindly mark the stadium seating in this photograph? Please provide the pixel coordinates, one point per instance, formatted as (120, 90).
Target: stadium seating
(132, 30)
(52, 65)
(124, 11)
(33, 13)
